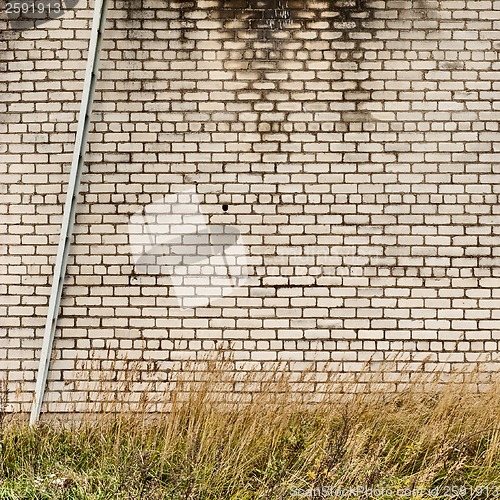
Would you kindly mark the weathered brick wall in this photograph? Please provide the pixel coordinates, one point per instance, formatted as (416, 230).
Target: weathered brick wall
(355, 143)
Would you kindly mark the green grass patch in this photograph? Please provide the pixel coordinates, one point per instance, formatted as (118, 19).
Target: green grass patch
(443, 444)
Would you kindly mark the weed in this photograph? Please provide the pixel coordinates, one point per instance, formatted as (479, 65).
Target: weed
(263, 440)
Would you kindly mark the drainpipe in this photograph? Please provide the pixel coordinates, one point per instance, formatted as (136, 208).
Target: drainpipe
(96, 37)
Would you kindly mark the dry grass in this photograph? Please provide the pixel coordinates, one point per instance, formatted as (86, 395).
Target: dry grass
(223, 440)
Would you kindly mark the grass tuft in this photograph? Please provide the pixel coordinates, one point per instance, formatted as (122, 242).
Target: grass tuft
(222, 439)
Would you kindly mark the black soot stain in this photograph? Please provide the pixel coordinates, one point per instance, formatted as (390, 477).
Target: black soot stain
(341, 15)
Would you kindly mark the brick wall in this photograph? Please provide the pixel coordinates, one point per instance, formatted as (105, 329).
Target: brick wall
(356, 145)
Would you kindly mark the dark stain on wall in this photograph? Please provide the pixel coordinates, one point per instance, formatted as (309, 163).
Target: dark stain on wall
(132, 10)
(267, 15)
(254, 14)
(266, 19)
(186, 22)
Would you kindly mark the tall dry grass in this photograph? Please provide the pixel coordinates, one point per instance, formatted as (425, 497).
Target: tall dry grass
(267, 435)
